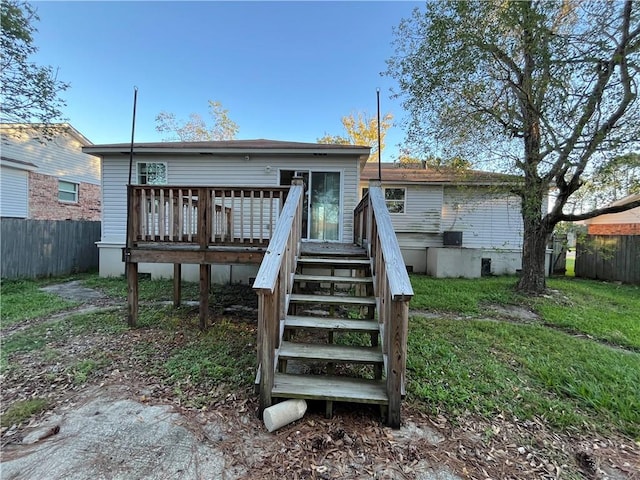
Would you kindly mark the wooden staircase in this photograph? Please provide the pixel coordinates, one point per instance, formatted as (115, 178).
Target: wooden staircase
(332, 296)
(333, 318)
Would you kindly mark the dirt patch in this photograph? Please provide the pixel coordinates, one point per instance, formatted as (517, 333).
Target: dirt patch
(514, 313)
(125, 422)
(75, 291)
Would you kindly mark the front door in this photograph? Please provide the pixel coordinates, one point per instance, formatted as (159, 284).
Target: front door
(322, 215)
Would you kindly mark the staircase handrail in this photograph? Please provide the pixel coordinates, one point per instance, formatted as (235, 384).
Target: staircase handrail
(273, 284)
(392, 289)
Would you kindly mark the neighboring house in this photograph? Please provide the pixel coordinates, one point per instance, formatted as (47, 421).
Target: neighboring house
(48, 179)
(623, 223)
(452, 224)
(331, 174)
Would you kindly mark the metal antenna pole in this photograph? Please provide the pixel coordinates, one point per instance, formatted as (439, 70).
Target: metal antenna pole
(379, 141)
(133, 129)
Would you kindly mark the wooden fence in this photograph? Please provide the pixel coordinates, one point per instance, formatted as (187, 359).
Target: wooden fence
(44, 248)
(609, 257)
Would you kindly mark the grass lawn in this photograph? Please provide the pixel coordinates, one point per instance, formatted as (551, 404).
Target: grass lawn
(195, 367)
(23, 300)
(576, 367)
(469, 363)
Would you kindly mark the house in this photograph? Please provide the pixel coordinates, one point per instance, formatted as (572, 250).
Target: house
(452, 223)
(331, 174)
(48, 179)
(622, 223)
(285, 216)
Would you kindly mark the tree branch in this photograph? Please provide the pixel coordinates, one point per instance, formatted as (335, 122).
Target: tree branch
(599, 211)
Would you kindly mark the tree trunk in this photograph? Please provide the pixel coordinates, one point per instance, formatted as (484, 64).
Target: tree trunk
(533, 257)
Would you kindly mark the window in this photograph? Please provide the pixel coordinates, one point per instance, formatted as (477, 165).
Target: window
(394, 198)
(152, 173)
(67, 191)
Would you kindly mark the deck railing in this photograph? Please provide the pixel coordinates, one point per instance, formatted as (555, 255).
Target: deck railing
(393, 291)
(206, 216)
(273, 284)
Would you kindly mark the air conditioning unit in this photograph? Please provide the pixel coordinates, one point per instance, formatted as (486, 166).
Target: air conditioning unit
(452, 239)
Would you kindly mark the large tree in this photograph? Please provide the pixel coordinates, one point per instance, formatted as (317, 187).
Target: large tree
(549, 88)
(30, 92)
(196, 128)
(361, 129)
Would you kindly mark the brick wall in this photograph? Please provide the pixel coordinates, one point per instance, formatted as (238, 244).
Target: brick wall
(614, 229)
(44, 203)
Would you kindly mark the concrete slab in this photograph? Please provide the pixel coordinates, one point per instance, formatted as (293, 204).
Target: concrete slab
(114, 439)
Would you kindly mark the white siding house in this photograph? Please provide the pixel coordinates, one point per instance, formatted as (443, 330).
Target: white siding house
(331, 173)
(48, 178)
(428, 204)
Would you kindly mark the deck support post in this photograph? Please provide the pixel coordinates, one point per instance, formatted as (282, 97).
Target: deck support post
(132, 294)
(177, 284)
(397, 359)
(205, 284)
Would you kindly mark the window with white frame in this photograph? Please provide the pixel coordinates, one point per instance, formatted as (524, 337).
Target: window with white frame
(152, 173)
(67, 191)
(395, 198)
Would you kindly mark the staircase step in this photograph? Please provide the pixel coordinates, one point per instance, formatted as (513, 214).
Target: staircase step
(331, 299)
(330, 353)
(337, 262)
(324, 323)
(331, 279)
(339, 389)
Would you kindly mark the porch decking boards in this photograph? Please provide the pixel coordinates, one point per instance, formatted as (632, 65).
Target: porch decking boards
(331, 249)
(345, 263)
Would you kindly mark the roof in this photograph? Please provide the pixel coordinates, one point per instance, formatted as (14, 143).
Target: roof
(633, 214)
(625, 200)
(230, 146)
(392, 173)
(55, 126)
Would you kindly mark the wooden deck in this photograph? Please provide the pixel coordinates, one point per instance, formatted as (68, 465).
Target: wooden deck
(309, 293)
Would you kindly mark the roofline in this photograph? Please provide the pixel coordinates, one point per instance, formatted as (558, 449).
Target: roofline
(624, 200)
(67, 126)
(442, 182)
(101, 150)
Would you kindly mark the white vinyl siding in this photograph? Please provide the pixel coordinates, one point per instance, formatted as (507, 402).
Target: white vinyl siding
(15, 192)
(213, 170)
(488, 219)
(115, 173)
(422, 207)
(61, 157)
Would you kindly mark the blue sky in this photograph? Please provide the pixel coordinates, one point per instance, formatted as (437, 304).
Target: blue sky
(284, 70)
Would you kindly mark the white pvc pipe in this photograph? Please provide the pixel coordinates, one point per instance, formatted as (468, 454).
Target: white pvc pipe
(283, 413)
